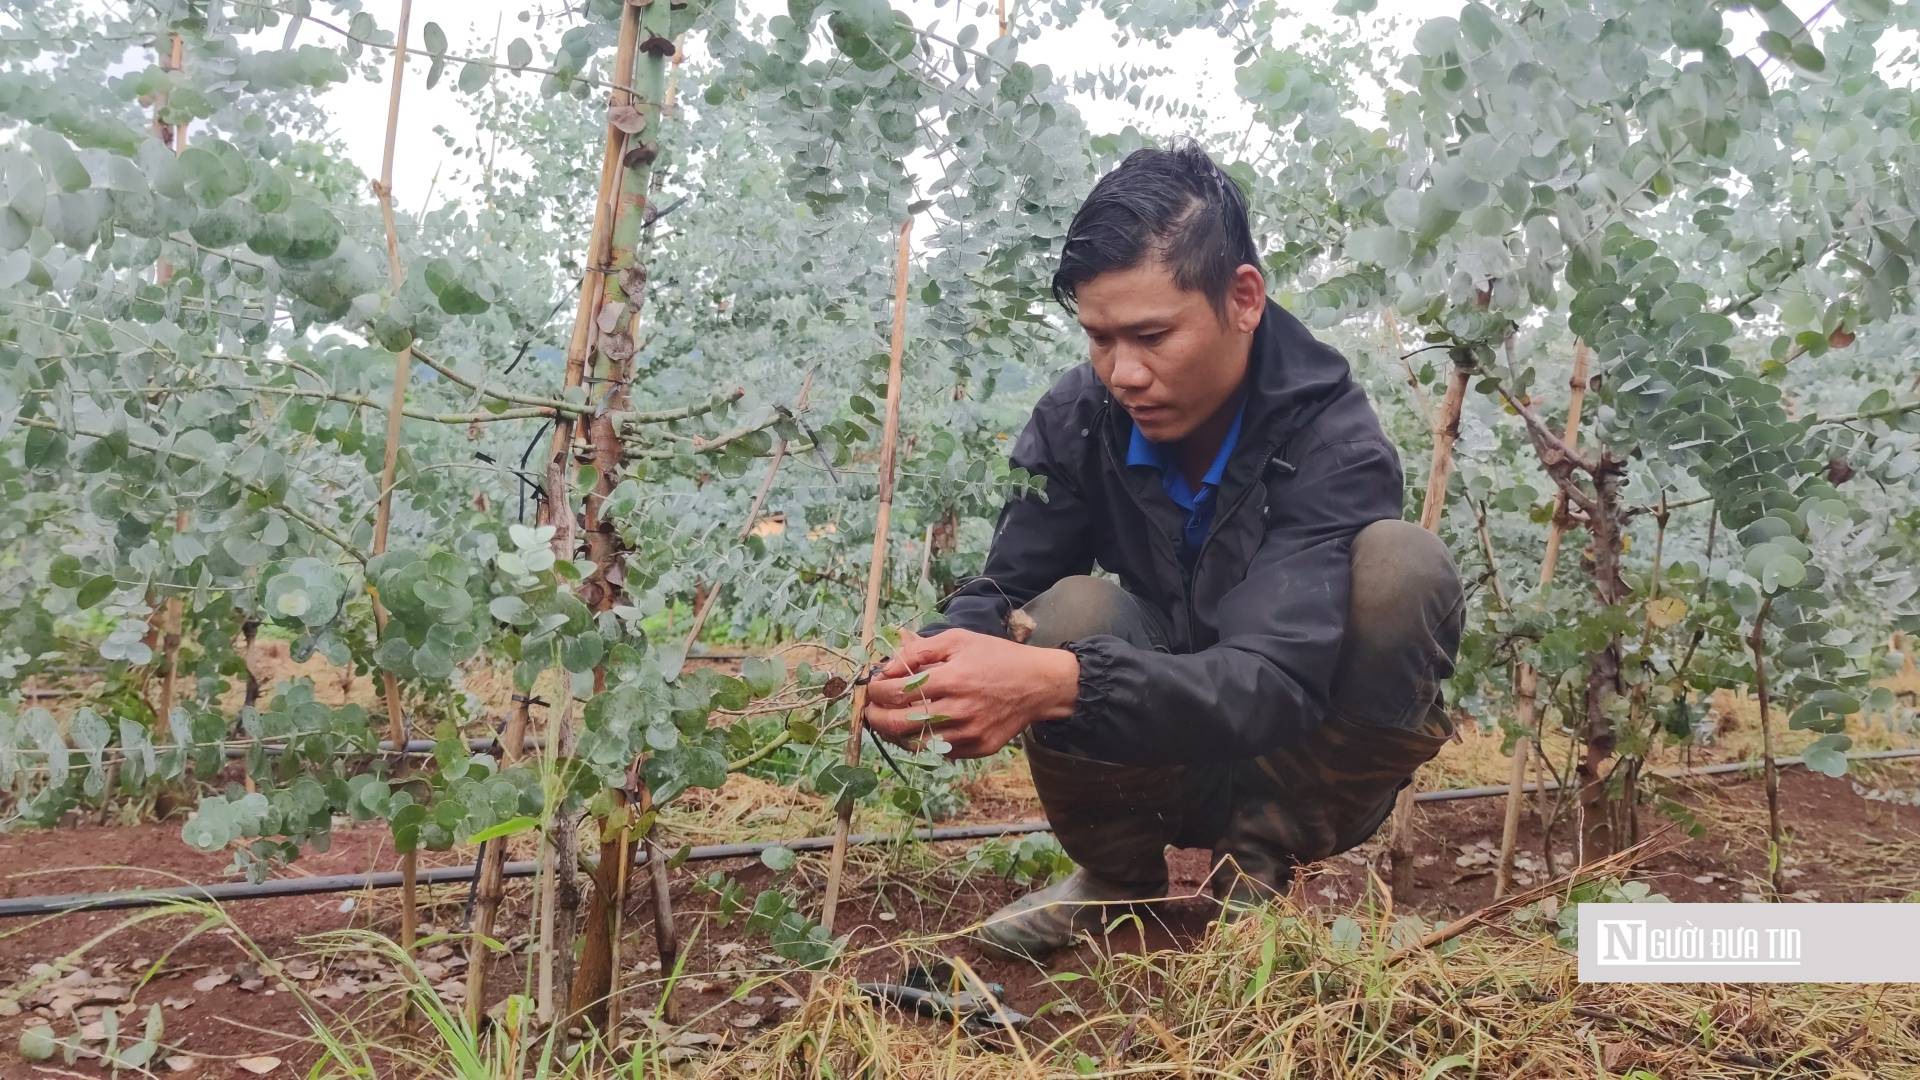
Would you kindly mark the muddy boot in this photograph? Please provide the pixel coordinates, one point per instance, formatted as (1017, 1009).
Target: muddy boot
(1051, 918)
(1115, 822)
(1245, 879)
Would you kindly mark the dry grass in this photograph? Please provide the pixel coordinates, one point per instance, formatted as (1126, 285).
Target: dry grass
(1278, 995)
(1477, 759)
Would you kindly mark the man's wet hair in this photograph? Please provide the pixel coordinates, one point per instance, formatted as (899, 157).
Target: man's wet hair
(1175, 204)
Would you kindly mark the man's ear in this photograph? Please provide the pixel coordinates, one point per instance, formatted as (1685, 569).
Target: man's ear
(1247, 298)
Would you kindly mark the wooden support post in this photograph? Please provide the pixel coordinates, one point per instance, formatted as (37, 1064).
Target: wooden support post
(383, 514)
(491, 887)
(876, 566)
(1446, 432)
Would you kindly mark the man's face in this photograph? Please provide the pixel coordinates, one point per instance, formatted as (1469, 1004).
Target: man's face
(1162, 352)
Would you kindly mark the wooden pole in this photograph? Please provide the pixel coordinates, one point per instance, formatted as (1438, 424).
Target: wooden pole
(491, 888)
(383, 513)
(876, 566)
(1527, 680)
(174, 609)
(560, 853)
(1446, 432)
(1757, 641)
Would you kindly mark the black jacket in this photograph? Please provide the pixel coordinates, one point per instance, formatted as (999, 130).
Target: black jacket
(1256, 628)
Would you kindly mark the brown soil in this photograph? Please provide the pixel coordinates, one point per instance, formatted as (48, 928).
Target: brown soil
(1843, 846)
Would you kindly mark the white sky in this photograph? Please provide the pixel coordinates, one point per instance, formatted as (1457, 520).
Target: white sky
(1201, 72)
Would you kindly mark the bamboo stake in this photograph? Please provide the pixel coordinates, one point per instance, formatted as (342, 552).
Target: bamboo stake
(560, 853)
(876, 567)
(1446, 432)
(1527, 681)
(1400, 350)
(1757, 641)
(174, 610)
(383, 514)
(491, 889)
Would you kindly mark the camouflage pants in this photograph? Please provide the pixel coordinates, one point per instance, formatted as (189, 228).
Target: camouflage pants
(1298, 803)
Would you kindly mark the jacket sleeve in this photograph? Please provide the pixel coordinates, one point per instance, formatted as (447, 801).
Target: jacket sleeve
(1040, 538)
(1265, 682)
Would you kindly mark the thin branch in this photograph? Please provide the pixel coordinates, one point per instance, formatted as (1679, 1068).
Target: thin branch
(517, 398)
(1555, 454)
(1888, 413)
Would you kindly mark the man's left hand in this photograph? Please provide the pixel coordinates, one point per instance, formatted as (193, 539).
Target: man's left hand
(974, 690)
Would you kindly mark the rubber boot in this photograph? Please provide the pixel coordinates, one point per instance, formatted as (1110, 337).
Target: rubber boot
(1115, 822)
(1052, 918)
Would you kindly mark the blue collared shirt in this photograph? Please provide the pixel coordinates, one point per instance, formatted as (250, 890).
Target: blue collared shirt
(1199, 505)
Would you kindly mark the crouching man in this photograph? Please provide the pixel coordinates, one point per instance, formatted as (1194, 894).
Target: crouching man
(1261, 672)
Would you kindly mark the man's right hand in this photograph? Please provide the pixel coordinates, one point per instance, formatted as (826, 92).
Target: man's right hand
(976, 690)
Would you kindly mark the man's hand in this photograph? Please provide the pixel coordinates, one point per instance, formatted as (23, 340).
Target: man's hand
(977, 690)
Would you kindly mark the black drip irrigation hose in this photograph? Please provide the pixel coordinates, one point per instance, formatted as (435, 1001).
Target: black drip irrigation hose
(222, 892)
(27, 906)
(1675, 774)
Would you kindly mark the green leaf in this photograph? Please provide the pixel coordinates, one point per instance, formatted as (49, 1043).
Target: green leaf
(474, 76)
(511, 610)
(582, 653)
(763, 674)
(519, 53)
(510, 827)
(777, 858)
(434, 38)
(1827, 755)
(38, 1043)
(1807, 57)
(1781, 572)
(448, 286)
(841, 782)
(1696, 26)
(94, 591)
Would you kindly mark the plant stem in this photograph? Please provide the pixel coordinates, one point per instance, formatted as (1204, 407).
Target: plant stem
(876, 565)
(1526, 681)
